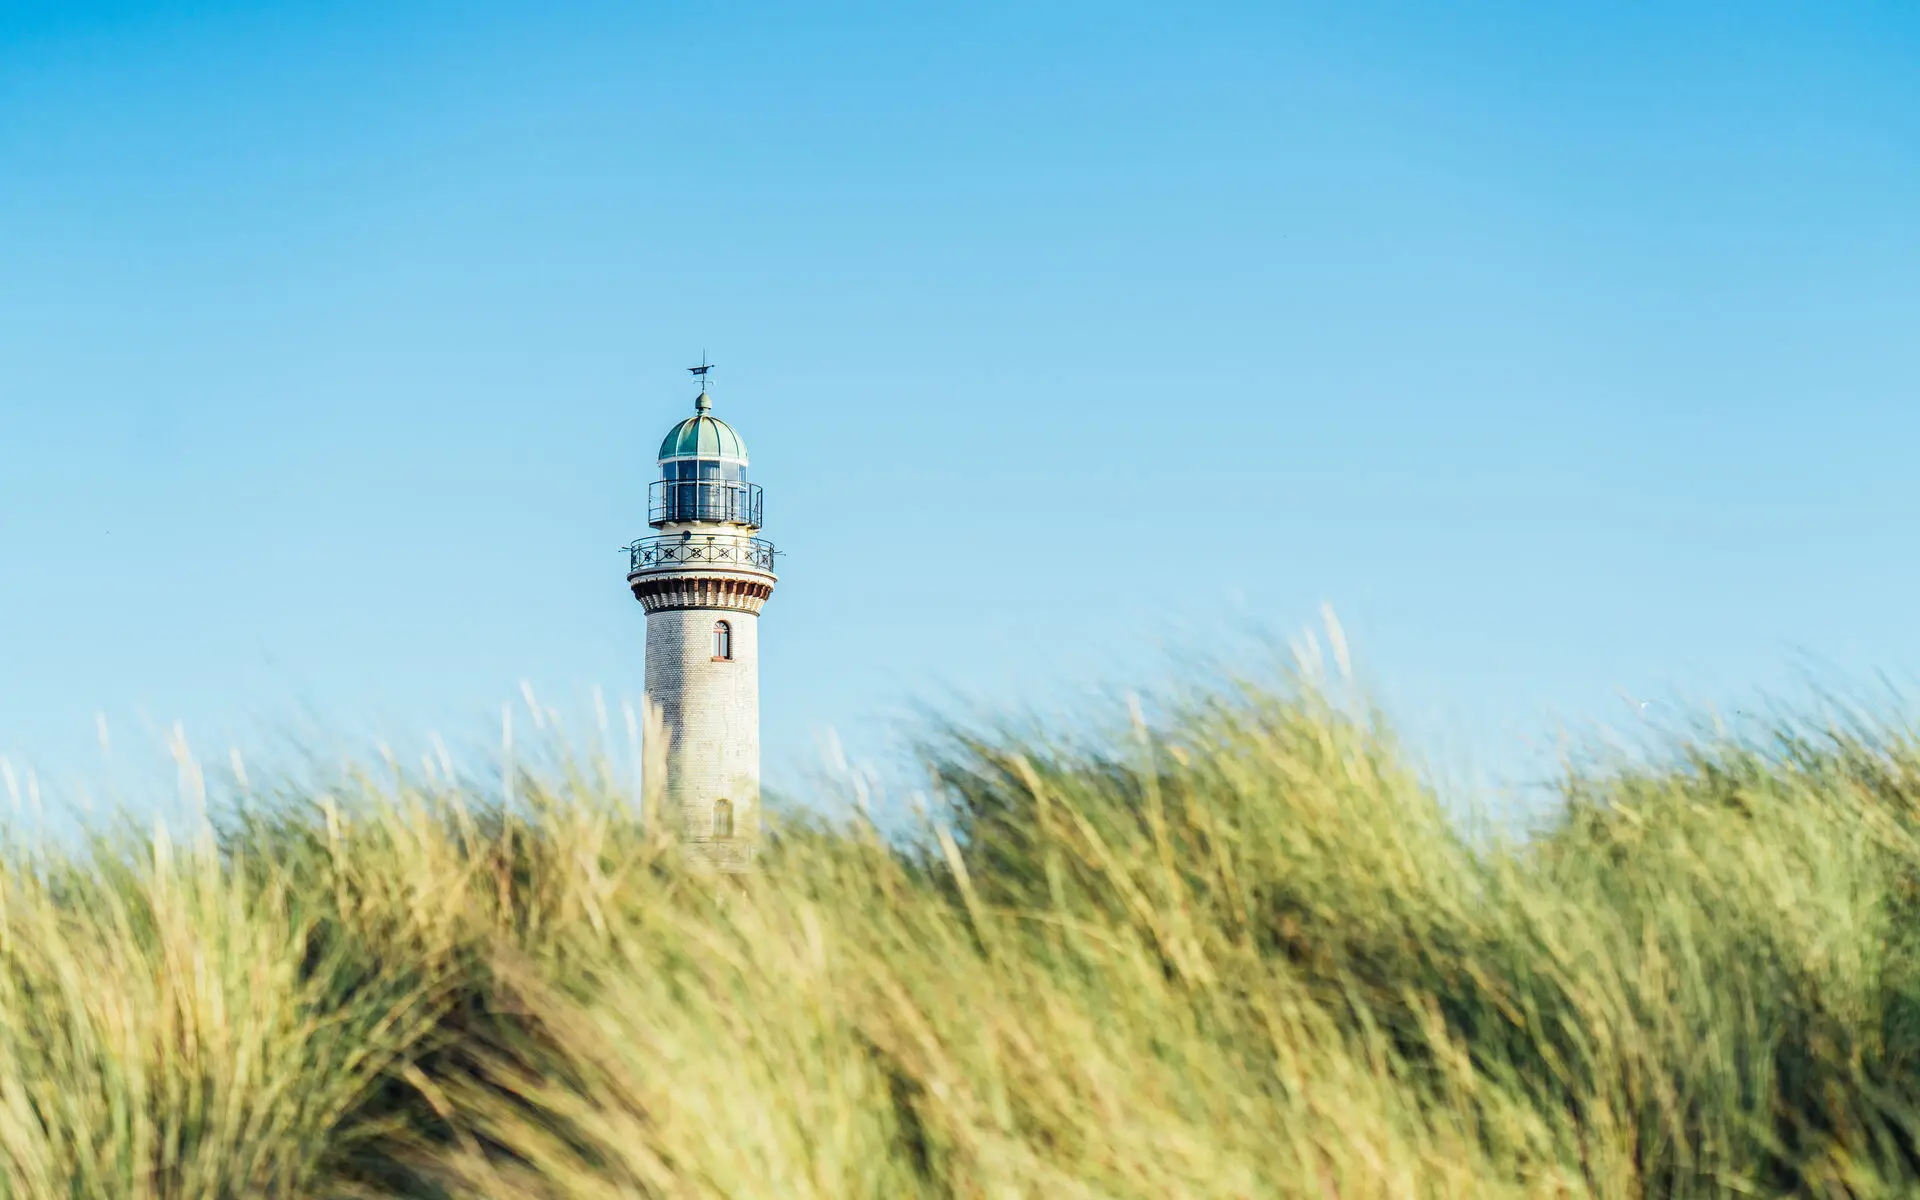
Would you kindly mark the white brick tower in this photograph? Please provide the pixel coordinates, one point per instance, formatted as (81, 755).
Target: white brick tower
(702, 580)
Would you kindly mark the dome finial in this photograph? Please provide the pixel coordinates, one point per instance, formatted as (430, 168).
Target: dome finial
(701, 403)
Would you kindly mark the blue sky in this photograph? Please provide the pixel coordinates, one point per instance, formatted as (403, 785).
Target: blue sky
(1567, 351)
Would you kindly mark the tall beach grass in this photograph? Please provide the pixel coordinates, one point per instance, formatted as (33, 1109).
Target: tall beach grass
(1237, 950)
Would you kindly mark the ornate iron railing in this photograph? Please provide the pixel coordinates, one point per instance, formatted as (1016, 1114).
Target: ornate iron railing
(668, 553)
(728, 501)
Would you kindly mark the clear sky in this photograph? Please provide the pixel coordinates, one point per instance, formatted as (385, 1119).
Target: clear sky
(1567, 350)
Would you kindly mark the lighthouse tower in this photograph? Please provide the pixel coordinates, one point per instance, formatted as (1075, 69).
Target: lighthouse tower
(702, 580)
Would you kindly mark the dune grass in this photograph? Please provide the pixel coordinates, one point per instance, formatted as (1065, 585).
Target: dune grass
(1237, 951)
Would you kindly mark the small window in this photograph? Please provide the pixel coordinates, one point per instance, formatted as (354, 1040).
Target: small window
(722, 640)
(723, 818)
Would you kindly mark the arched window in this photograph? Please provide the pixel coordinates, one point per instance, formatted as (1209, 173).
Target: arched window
(723, 818)
(722, 640)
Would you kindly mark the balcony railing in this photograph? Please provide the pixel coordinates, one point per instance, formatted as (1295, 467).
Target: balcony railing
(728, 501)
(668, 553)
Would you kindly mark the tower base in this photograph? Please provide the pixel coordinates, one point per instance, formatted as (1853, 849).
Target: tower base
(728, 858)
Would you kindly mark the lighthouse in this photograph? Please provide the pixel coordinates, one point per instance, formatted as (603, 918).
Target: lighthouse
(702, 579)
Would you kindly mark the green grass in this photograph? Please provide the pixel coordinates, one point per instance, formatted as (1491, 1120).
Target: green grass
(1239, 952)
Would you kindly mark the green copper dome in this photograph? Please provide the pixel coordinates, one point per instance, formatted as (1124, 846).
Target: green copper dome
(703, 436)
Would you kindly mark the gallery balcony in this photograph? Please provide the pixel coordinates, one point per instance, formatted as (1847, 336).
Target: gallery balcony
(679, 553)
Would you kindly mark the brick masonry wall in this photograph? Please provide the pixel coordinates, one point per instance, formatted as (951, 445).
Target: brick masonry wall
(711, 715)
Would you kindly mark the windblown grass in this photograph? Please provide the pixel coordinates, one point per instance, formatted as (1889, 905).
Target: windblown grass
(1238, 952)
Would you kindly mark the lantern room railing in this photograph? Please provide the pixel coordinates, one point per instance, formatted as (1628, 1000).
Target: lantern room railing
(674, 552)
(722, 501)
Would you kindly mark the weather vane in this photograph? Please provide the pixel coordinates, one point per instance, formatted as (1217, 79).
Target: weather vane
(700, 372)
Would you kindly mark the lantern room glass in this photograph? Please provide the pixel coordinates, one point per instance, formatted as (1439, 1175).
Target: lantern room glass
(705, 490)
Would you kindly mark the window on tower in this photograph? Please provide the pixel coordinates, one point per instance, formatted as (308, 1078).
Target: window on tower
(723, 818)
(722, 640)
